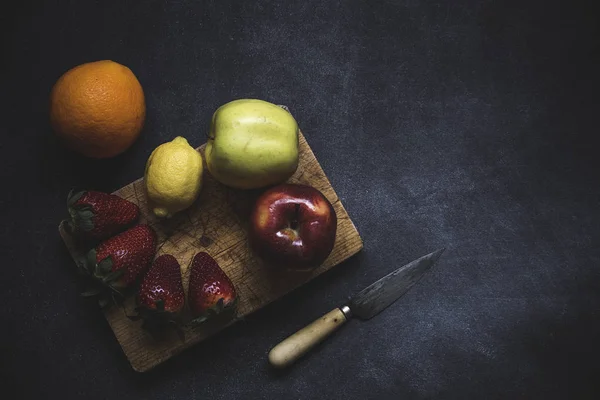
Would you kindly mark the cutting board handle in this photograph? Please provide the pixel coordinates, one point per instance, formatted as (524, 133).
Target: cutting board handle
(298, 344)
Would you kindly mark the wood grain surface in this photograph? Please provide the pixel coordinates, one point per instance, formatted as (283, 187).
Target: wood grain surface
(217, 224)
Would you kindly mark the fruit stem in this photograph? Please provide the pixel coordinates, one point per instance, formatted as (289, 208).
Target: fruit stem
(294, 221)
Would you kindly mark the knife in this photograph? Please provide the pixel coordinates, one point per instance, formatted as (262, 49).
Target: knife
(365, 305)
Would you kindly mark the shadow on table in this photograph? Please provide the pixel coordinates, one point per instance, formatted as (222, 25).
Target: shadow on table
(216, 356)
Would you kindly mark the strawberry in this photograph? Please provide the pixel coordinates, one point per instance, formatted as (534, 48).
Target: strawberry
(160, 298)
(161, 289)
(98, 215)
(117, 262)
(211, 292)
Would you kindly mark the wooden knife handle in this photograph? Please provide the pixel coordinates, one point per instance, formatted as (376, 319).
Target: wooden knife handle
(295, 346)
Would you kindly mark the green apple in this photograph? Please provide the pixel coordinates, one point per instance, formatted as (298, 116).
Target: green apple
(252, 144)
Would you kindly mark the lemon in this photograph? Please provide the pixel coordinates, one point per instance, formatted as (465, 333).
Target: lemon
(173, 177)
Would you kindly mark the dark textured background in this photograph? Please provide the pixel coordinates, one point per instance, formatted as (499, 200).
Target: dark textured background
(467, 124)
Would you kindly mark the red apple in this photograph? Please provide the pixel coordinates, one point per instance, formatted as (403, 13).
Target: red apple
(293, 226)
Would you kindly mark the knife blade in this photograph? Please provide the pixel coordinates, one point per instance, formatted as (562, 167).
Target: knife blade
(364, 305)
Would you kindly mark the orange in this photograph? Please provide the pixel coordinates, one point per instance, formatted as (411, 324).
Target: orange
(98, 108)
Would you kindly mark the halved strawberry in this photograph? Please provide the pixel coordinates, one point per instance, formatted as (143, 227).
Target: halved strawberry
(211, 292)
(98, 215)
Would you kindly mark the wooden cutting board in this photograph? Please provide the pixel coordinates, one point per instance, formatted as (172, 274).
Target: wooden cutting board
(217, 224)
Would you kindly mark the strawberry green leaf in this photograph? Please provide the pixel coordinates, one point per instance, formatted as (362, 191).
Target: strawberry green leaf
(86, 212)
(113, 276)
(220, 309)
(73, 197)
(91, 292)
(104, 267)
(81, 217)
(90, 261)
